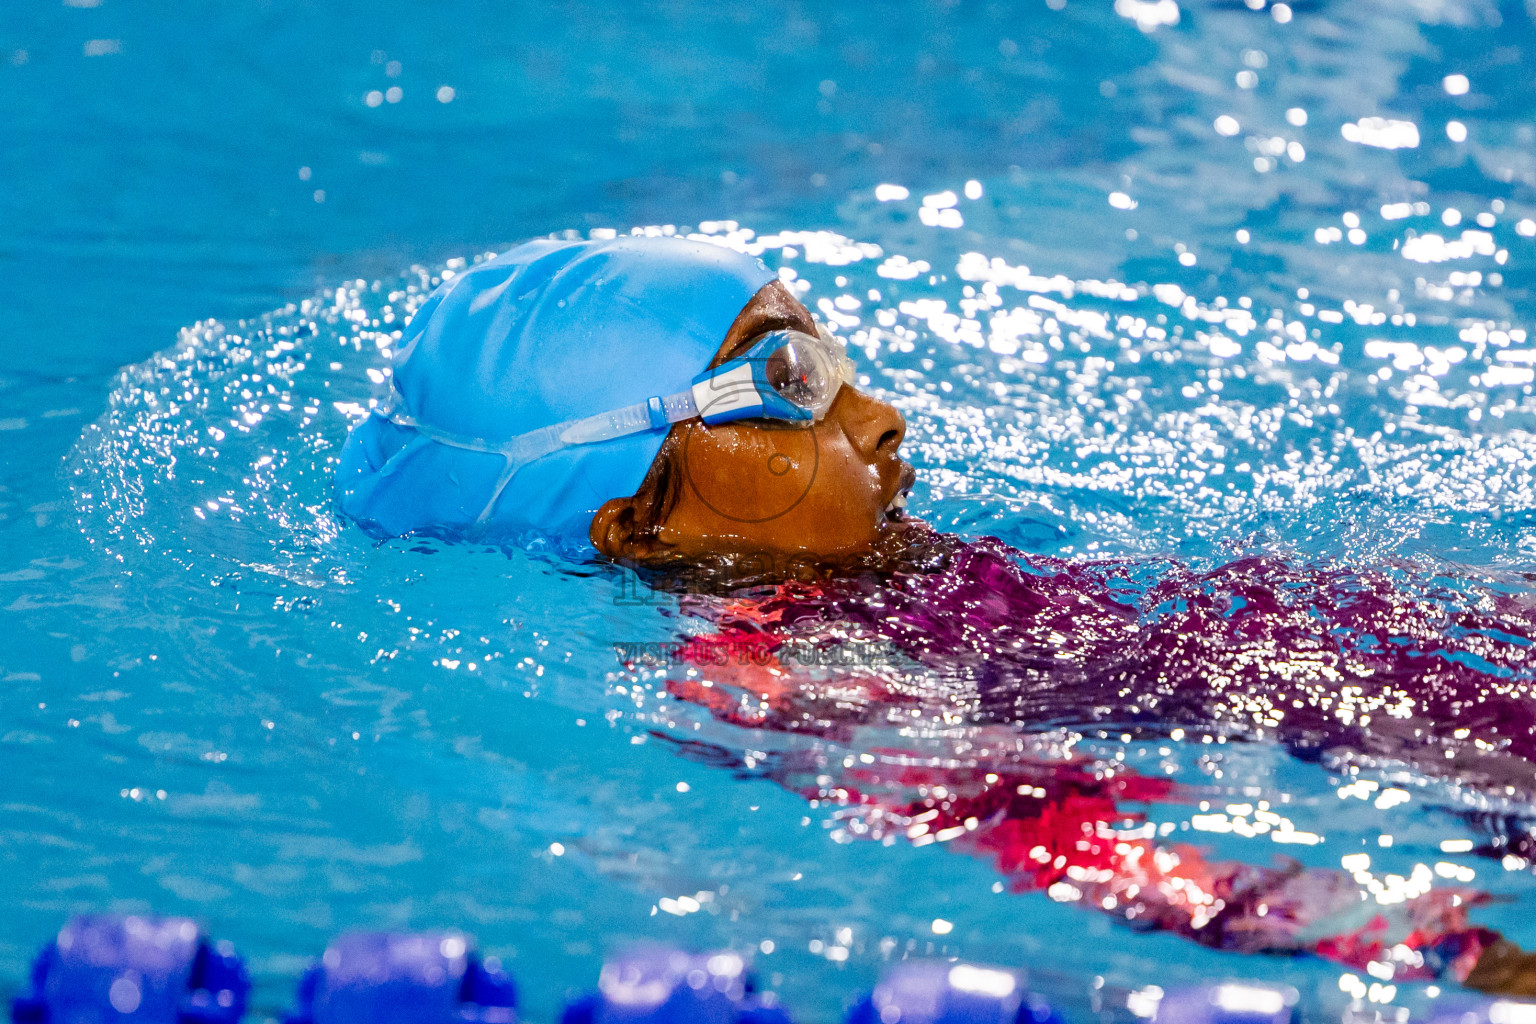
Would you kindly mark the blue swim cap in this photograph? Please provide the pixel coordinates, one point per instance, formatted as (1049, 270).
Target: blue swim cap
(547, 332)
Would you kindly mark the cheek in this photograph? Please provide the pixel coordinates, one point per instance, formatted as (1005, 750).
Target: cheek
(752, 475)
(846, 486)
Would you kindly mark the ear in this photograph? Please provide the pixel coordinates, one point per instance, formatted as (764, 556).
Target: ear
(615, 536)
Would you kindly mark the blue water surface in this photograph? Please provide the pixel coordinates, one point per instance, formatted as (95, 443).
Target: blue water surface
(1147, 278)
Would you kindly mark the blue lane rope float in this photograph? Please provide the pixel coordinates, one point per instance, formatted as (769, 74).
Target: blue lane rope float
(1227, 1004)
(667, 986)
(134, 970)
(398, 978)
(1459, 1009)
(138, 969)
(940, 992)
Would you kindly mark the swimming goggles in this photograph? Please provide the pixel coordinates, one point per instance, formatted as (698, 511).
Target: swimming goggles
(786, 375)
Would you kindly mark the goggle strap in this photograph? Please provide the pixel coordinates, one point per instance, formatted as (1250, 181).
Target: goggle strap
(653, 414)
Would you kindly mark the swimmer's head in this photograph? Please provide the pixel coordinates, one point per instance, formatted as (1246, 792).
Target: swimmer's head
(829, 489)
(609, 336)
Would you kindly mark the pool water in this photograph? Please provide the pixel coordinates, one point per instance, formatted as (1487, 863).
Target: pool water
(1149, 280)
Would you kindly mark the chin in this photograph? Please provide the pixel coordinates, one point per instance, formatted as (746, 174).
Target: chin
(895, 537)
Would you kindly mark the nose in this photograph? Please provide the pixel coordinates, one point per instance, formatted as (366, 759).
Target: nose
(875, 427)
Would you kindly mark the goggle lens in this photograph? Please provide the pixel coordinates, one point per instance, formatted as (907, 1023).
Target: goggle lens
(807, 371)
(798, 372)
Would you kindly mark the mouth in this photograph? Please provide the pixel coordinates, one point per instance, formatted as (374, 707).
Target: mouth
(896, 508)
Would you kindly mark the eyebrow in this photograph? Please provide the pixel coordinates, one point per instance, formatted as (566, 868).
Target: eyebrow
(771, 321)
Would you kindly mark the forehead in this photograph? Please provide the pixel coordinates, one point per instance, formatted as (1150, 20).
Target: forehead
(773, 308)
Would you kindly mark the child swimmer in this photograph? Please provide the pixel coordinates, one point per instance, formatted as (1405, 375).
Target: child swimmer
(668, 403)
(653, 398)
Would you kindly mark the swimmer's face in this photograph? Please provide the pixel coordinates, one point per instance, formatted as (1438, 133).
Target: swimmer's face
(766, 487)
